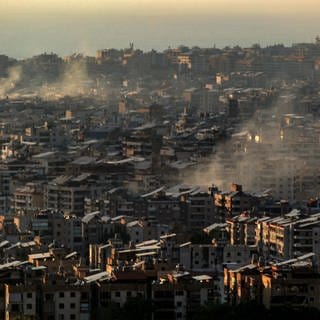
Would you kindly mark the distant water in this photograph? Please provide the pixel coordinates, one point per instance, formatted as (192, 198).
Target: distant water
(62, 35)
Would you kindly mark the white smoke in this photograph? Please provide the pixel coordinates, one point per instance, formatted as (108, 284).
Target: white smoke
(261, 156)
(73, 82)
(9, 83)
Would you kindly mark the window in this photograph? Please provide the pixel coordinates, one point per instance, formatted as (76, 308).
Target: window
(117, 293)
(179, 315)
(179, 293)
(179, 304)
(29, 295)
(239, 254)
(72, 305)
(61, 305)
(29, 306)
(84, 307)
(129, 293)
(228, 254)
(72, 294)
(61, 316)
(61, 294)
(72, 316)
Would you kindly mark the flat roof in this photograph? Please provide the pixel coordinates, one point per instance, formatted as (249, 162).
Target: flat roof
(38, 268)
(152, 192)
(149, 253)
(44, 155)
(84, 160)
(202, 277)
(97, 277)
(70, 255)
(37, 256)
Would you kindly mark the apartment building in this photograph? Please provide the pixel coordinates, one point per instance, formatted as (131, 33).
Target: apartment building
(62, 301)
(200, 209)
(201, 256)
(293, 283)
(95, 229)
(125, 285)
(238, 254)
(8, 170)
(45, 134)
(289, 236)
(242, 284)
(20, 301)
(296, 284)
(67, 193)
(180, 294)
(242, 229)
(234, 202)
(28, 198)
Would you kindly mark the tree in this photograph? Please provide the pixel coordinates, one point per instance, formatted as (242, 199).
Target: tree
(253, 311)
(142, 309)
(112, 311)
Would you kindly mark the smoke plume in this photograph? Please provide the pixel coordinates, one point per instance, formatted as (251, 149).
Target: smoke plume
(9, 83)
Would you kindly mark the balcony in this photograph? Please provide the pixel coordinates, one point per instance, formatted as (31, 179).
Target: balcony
(302, 237)
(300, 245)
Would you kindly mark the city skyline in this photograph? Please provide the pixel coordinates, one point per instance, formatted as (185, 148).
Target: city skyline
(71, 26)
(179, 184)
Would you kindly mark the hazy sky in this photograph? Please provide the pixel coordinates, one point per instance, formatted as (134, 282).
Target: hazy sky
(29, 27)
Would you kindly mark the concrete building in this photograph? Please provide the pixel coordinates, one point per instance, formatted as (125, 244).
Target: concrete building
(67, 193)
(95, 230)
(61, 301)
(179, 294)
(20, 301)
(238, 254)
(242, 229)
(296, 285)
(292, 283)
(28, 198)
(201, 257)
(200, 209)
(45, 134)
(289, 236)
